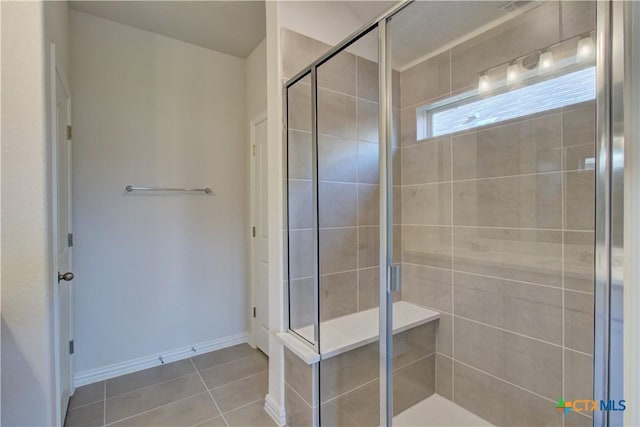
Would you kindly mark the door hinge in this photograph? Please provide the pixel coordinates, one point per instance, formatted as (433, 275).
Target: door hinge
(253, 231)
(253, 150)
(71, 347)
(69, 132)
(254, 312)
(70, 239)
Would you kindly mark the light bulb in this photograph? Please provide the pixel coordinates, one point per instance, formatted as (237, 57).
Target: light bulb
(483, 83)
(546, 60)
(513, 72)
(585, 48)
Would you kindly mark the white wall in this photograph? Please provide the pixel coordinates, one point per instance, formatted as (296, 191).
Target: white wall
(155, 272)
(326, 21)
(28, 380)
(331, 22)
(256, 78)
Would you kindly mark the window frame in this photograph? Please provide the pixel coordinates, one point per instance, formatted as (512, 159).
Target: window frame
(425, 112)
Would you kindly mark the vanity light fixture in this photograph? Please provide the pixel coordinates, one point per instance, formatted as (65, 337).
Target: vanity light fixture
(546, 60)
(586, 48)
(483, 83)
(513, 72)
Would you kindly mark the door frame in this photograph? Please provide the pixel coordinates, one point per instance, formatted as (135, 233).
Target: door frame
(253, 217)
(55, 74)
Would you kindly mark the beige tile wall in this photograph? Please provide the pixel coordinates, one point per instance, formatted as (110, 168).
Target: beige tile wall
(301, 396)
(349, 383)
(497, 227)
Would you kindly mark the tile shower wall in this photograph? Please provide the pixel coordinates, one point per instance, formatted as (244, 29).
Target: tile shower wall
(497, 233)
(348, 189)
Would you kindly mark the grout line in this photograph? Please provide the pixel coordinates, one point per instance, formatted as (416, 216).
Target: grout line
(421, 184)
(332, 274)
(298, 394)
(149, 386)
(326, 89)
(357, 198)
(343, 139)
(207, 420)
(224, 363)
(484, 227)
(153, 409)
(505, 381)
(377, 378)
(174, 378)
(210, 395)
(433, 353)
(85, 404)
(509, 331)
(244, 405)
(562, 219)
(348, 227)
(451, 209)
(578, 352)
(523, 335)
(488, 178)
(335, 181)
(104, 408)
(241, 379)
(522, 282)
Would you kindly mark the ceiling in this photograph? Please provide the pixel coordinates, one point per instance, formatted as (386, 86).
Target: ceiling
(237, 27)
(232, 27)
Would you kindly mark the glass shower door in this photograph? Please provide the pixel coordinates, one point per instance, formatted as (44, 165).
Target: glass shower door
(349, 233)
(494, 202)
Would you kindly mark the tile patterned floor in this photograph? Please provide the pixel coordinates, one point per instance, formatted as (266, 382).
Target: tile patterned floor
(224, 388)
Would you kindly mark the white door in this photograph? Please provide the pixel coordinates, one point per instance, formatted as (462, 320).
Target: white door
(260, 266)
(62, 202)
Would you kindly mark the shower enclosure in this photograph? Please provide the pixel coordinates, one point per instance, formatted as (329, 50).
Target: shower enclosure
(443, 166)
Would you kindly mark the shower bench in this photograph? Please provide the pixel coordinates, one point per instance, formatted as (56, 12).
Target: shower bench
(347, 366)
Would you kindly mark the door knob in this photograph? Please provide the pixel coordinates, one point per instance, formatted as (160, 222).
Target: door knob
(67, 277)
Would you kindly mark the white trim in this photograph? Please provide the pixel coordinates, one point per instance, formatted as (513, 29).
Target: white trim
(274, 410)
(55, 75)
(307, 354)
(111, 371)
(253, 123)
(54, 220)
(275, 203)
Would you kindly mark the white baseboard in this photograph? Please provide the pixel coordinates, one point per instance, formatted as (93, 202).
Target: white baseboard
(111, 371)
(274, 410)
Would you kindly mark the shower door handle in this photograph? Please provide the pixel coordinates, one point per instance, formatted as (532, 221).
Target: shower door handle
(393, 278)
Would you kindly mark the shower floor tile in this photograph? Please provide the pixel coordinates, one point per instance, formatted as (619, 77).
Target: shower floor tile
(437, 411)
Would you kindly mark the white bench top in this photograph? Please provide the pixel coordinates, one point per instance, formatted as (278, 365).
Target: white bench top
(354, 330)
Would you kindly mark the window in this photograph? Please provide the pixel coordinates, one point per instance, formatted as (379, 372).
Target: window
(471, 112)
